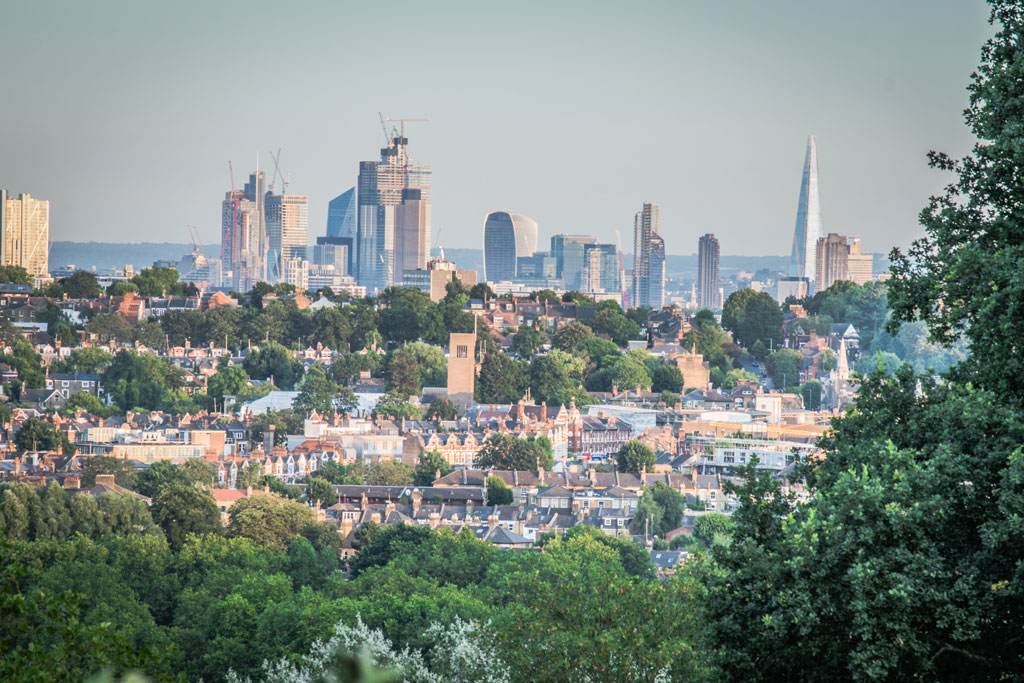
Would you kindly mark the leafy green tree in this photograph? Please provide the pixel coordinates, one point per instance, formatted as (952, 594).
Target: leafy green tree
(527, 341)
(341, 474)
(37, 434)
(309, 567)
(442, 409)
(880, 361)
(596, 349)
(508, 452)
(89, 359)
(543, 295)
(364, 318)
(109, 326)
(123, 471)
(15, 275)
(158, 475)
(403, 309)
(714, 527)
(667, 378)
(285, 422)
(669, 398)
(316, 392)
(249, 476)
(330, 327)
(502, 379)
(557, 614)
(431, 364)
(182, 509)
(396, 406)
(570, 336)
(268, 520)
(431, 465)
(141, 380)
(610, 320)
(349, 365)
(404, 375)
(226, 381)
(634, 456)
(628, 374)
(498, 492)
(555, 377)
(279, 488)
(482, 290)
(390, 473)
(784, 367)
(811, 391)
(223, 327)
(157, 281)
(647, 518)
(122, 287)
(320, 491)
(149, 333)
(274, 361)
(45, 638)
(671, 504)
(752, 316)
(828, 361)
(735, 377)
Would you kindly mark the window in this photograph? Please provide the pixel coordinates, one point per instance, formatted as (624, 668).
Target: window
(462, 351)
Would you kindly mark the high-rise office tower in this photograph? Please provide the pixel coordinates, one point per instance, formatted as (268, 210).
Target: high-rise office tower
(601, 268)
(411, 239)
(244, 235)
(380, 191)
(332, 251)
(568, 253)
(708, 292)
(341, 215)
(507, 237)
(831, 254)
(25, 233)
(808, 218)
(861, 266)
(648, 259)
(342, 225)
(287, 230)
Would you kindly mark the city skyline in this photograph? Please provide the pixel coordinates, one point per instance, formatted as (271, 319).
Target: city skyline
(878, 95)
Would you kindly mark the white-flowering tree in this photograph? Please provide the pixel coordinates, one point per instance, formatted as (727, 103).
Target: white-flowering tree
(461, 653)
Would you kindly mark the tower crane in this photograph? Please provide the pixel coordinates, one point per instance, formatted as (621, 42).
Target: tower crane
(197, 242)
(402, 122)
(277, 172)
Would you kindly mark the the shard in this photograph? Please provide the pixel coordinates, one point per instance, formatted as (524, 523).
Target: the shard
(808, 218)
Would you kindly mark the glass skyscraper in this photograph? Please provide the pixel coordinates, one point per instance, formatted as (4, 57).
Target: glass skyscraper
(708, 258)
(507, 237)
(601, 268)
(648, 259)
(809, 222)
(341, 215)
(568, 253)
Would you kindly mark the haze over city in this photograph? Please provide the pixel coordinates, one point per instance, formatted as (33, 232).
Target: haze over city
(572, 114)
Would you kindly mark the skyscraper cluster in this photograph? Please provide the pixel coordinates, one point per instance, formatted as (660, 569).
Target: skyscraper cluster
(375, 231)
(393, 216)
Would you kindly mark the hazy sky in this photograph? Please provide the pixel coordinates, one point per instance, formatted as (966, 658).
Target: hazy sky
(125, 114)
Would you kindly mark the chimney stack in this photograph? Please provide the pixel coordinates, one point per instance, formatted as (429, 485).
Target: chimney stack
(268, 439)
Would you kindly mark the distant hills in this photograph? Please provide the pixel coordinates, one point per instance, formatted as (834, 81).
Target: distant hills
(107, 255)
